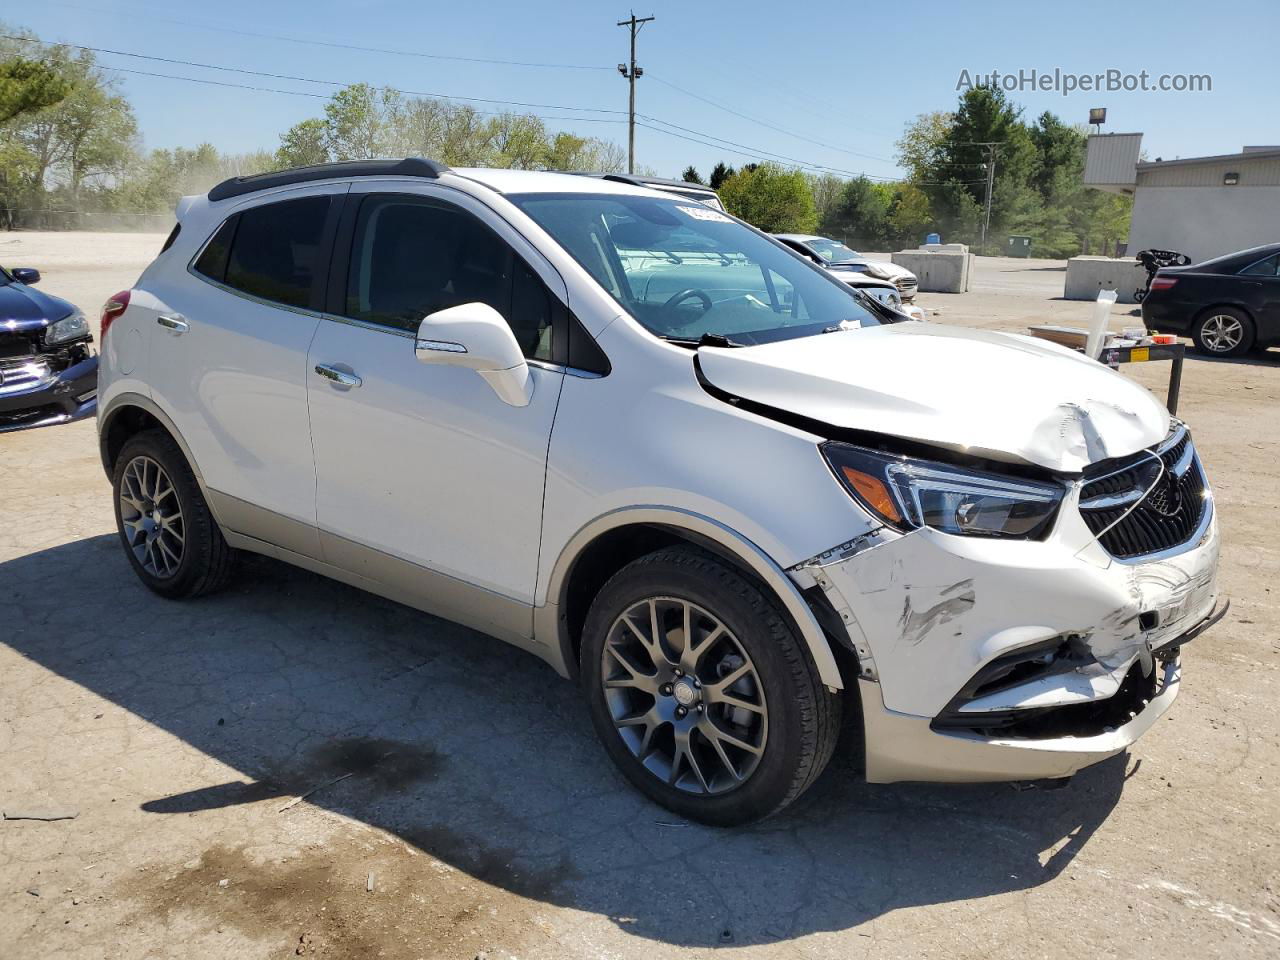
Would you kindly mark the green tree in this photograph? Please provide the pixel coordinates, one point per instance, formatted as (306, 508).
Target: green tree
(920, 146)
(27, 86)
(719, 174)
(771, 198)
(860, 214)
(910, 218)
(303, 144)
(691, 175)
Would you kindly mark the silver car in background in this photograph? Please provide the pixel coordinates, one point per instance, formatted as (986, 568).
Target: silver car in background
(842, 260)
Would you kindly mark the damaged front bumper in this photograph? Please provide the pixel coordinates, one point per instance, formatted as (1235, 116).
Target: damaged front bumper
(990, 659)
(43, 390)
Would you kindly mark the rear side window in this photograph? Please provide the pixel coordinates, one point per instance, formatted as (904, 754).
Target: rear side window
(275, 250)
(411, 257)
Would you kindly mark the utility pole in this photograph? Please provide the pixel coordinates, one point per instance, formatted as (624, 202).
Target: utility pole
(991, 179)
(631, 74)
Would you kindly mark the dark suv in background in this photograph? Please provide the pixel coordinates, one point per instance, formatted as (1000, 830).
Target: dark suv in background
(48, 368)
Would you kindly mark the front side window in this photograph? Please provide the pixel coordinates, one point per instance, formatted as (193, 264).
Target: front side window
(411, 257)
(686, 271)
(275, 251)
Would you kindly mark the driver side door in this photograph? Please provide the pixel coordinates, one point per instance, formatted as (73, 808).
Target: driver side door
(426, 481)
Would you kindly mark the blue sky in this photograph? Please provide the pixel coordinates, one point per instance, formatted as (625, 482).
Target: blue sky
(831, 84)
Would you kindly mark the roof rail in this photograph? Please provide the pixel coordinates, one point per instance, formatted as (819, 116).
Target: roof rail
(408, 167)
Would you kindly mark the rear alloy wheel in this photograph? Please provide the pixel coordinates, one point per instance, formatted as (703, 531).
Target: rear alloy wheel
(701, 691)
(170, 537)
(1223, 332)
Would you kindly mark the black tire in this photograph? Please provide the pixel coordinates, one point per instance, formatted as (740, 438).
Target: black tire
(803, 716)
(1206, 341)
(205, 561)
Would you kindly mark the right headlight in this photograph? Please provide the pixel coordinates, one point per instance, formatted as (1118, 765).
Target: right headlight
(907, 493)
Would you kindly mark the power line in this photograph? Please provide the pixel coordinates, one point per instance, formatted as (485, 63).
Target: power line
(346, 46)
(756, 120)
(303, 93)
(747, 152)
(286, 76)
(698, 137)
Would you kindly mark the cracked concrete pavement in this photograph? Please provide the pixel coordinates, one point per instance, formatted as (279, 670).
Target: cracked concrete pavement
(465, 807)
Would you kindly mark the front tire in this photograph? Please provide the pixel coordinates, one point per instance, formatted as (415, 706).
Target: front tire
(1223, 332)
(169, 535)
(701, 691)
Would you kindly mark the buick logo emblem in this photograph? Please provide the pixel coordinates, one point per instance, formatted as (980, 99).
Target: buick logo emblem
(1166, 498)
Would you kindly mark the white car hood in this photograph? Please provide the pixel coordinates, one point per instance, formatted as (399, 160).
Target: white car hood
(995, 395)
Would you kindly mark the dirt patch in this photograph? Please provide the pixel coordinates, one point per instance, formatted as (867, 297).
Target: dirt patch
(319, 902)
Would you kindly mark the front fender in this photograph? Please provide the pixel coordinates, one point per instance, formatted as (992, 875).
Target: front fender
(551, 630)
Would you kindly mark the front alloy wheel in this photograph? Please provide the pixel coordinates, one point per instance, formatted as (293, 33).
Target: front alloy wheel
(701, 690)
(684, 695)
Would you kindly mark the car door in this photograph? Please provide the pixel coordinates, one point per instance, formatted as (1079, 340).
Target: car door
(425, 479)
(1262, 282)
(228, 361)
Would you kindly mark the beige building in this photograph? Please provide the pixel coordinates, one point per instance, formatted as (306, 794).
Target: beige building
(1201, 206)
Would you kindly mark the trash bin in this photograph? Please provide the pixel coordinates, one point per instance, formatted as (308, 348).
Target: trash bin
(933, 238)
(1019, 247)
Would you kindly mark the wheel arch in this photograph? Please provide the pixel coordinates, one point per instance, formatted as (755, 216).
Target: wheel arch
(607, 544)
(1232, 304)
(129, 414)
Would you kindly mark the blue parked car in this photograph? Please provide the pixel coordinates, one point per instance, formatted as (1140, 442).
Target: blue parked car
(48, 367)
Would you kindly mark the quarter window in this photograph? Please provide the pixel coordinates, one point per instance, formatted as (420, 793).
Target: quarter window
(212, 261)
(411, 257)
(275, 250)
(1269, 267)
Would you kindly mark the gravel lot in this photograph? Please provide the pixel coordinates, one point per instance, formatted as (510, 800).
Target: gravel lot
(481, 816)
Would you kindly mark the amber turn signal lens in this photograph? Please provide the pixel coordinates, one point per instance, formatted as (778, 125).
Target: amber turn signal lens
(873, 492)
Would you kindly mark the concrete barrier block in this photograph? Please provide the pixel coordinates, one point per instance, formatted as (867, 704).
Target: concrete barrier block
(1087, 275)
(937, 272)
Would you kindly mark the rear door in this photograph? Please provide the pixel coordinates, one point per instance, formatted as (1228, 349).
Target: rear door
(229, 361)
(422, 468)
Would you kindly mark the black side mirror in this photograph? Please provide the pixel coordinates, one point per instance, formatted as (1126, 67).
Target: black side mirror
(27, 275)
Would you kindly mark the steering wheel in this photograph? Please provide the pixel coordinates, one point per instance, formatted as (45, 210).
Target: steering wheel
(684, 295)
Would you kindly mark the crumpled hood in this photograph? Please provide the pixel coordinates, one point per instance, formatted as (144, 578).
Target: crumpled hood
(996, 395)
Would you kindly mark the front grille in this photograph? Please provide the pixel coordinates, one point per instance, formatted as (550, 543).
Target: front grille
(1165, 518)
(16, 375)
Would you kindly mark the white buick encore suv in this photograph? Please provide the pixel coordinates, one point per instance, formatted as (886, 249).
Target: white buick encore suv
(622, 430)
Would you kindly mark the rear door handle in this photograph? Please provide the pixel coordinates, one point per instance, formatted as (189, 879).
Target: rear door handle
(173, 322)
(340, 377)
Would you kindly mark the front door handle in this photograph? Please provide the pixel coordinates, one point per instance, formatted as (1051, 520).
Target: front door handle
(340, 377)
(173, 322)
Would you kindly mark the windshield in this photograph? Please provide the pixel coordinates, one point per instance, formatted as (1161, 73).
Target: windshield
(686, 271)
(832, 251)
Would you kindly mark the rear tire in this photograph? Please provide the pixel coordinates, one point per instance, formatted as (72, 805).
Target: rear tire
(1223, 332)
(741, 723)
(169, 535)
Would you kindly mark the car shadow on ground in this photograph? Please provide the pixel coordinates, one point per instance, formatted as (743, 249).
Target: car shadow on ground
(478, 754)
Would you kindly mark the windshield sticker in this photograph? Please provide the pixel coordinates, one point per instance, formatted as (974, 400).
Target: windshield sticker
(705, 213)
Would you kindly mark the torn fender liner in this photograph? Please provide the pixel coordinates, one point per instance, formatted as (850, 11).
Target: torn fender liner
(993, 395)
